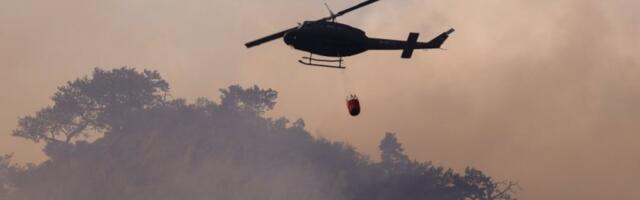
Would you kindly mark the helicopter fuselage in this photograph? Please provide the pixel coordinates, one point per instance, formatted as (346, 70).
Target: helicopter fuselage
(328, 39)
(334, 39)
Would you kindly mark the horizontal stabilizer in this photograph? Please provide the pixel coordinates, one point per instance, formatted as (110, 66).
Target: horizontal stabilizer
(410, 45)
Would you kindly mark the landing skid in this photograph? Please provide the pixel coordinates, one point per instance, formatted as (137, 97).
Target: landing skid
(322, 62)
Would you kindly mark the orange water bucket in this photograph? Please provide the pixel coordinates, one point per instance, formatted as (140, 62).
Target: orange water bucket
(353, 104)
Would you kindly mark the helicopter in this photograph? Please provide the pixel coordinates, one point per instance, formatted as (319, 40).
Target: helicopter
(328, 38)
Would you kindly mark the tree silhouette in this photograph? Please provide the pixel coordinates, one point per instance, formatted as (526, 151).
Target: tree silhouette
(99, 103)
(392, 153)
(158, 148)
(482, 187)
(4, 173)
(253, 99)
(7, 173)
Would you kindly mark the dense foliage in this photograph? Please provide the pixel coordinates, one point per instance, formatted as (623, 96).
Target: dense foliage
(116, 135)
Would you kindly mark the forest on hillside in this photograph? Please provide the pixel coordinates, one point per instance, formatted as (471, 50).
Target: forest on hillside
(119, 134)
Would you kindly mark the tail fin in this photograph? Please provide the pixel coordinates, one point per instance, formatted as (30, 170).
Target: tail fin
(412, 41)
(437, 42)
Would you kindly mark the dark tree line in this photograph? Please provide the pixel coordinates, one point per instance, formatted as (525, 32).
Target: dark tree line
(118, 135)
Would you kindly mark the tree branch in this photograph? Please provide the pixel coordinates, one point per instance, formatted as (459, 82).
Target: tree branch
(501, 194)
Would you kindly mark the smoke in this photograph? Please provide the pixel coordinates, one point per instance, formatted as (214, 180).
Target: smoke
(157, 148)
(541, 92)
(177, 150)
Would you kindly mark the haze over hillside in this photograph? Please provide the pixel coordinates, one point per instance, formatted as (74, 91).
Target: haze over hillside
(146, 145)
(545, 93)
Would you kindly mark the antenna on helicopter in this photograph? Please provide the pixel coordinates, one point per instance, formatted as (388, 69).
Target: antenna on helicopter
(333, 15)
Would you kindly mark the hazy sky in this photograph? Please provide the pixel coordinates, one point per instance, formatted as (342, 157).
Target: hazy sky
(545, 93)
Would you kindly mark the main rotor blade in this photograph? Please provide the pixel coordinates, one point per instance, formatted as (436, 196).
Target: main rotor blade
(282, 33)
(269, 38)
(363, 4)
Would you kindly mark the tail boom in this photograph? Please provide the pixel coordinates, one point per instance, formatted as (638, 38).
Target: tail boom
(409, 45)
